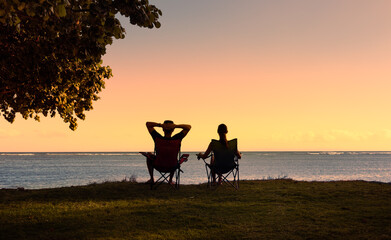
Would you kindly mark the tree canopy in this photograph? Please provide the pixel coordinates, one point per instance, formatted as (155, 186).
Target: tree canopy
(51, 53)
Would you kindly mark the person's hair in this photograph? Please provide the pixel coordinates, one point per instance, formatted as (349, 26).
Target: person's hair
(222, 130)
(168, 131)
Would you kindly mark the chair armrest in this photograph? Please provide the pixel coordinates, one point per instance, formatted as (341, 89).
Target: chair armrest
(204, 159)
(183, 158)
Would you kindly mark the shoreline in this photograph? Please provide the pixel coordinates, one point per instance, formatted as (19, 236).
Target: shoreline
(199, 184)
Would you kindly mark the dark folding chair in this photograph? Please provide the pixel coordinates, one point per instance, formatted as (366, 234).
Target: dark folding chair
(167, 152)
(225, 164)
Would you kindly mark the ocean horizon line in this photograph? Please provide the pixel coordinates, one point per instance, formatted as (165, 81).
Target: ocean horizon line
(137, 151)
(314, 152)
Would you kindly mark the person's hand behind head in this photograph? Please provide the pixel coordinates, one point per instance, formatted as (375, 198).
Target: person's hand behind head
(168, 126)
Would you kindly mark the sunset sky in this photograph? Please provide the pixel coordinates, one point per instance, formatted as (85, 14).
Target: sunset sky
(282, 75)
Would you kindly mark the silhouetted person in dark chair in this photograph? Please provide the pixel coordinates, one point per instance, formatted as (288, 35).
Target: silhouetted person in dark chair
(168, 128)
(218, 145)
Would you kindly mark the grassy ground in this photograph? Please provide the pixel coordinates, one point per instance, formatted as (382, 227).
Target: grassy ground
(272, 209)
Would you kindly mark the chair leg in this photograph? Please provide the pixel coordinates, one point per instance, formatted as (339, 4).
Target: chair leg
(157, 183)
(237, 171)
(163, 178)
(236, 178)
(166, 177)
(235, 182)
(177, 180)
(208, 174)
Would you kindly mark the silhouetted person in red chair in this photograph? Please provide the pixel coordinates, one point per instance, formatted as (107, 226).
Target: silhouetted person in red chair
(168, 128)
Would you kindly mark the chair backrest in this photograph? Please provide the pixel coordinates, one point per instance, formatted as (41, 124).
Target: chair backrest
(167, 151)
(224, 158)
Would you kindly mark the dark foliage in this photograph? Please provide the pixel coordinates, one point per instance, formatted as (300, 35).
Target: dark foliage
(51, 53)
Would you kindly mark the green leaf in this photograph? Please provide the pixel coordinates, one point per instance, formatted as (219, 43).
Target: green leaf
(61, 11)
(17, 20)
(30, 11)
(21, 6)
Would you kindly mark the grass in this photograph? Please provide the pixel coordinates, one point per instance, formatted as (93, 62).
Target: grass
(267, 209)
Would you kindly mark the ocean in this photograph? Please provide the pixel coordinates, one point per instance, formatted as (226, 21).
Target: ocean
(37, 170)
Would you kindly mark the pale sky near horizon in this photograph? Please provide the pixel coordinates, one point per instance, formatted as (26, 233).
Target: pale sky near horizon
(283, 75)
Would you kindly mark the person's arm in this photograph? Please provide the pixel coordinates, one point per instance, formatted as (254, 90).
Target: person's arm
(151, 126)
(185, 128)
(238, 154)
(206, 153)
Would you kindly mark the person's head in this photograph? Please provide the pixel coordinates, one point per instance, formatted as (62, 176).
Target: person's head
(167, 127)
(168, 122)
(222, 129)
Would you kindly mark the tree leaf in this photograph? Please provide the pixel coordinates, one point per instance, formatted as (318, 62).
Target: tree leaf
(21, 6)
(51, 53)
(61, 11)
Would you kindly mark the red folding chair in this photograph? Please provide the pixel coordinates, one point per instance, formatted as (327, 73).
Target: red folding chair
(167, 152)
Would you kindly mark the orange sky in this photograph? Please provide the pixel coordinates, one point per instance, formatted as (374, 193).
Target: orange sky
(283, 75)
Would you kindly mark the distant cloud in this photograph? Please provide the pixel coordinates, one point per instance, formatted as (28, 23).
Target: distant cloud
(346, 134)
(333, 135)
(385, 133)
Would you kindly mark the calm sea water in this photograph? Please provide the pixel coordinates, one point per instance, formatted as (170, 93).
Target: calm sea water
(47, 170)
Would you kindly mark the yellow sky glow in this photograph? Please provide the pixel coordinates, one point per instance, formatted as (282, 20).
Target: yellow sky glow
(313, 75)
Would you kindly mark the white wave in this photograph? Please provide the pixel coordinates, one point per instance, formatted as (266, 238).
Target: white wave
(332, 153)
(17, 154)
(350, 153)
(369, 153)
(377, 153)
(95, 154)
